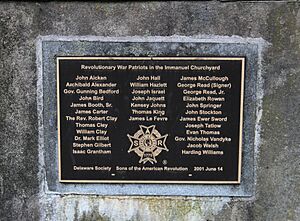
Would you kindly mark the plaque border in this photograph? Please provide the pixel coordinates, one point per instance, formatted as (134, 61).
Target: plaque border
(222, 58)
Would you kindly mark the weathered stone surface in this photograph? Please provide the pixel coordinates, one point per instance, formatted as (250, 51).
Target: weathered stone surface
(277, 166)
(51, 46)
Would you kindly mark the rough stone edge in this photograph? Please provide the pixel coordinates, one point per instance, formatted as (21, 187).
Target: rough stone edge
(47, 196)
(173, 38)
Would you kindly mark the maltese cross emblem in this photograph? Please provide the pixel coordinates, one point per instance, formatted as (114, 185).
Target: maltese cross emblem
(147, 143)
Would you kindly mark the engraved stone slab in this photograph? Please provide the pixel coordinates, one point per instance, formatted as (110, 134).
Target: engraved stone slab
(157, 116)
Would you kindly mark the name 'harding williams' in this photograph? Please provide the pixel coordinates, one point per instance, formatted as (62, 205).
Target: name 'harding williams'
(202, 152)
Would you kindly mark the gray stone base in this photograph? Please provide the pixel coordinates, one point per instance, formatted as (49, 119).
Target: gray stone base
(52, 46)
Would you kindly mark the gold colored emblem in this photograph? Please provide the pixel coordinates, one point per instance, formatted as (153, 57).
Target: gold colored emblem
(147, 143)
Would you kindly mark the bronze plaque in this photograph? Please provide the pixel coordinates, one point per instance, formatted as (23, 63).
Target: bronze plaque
(150, 119)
